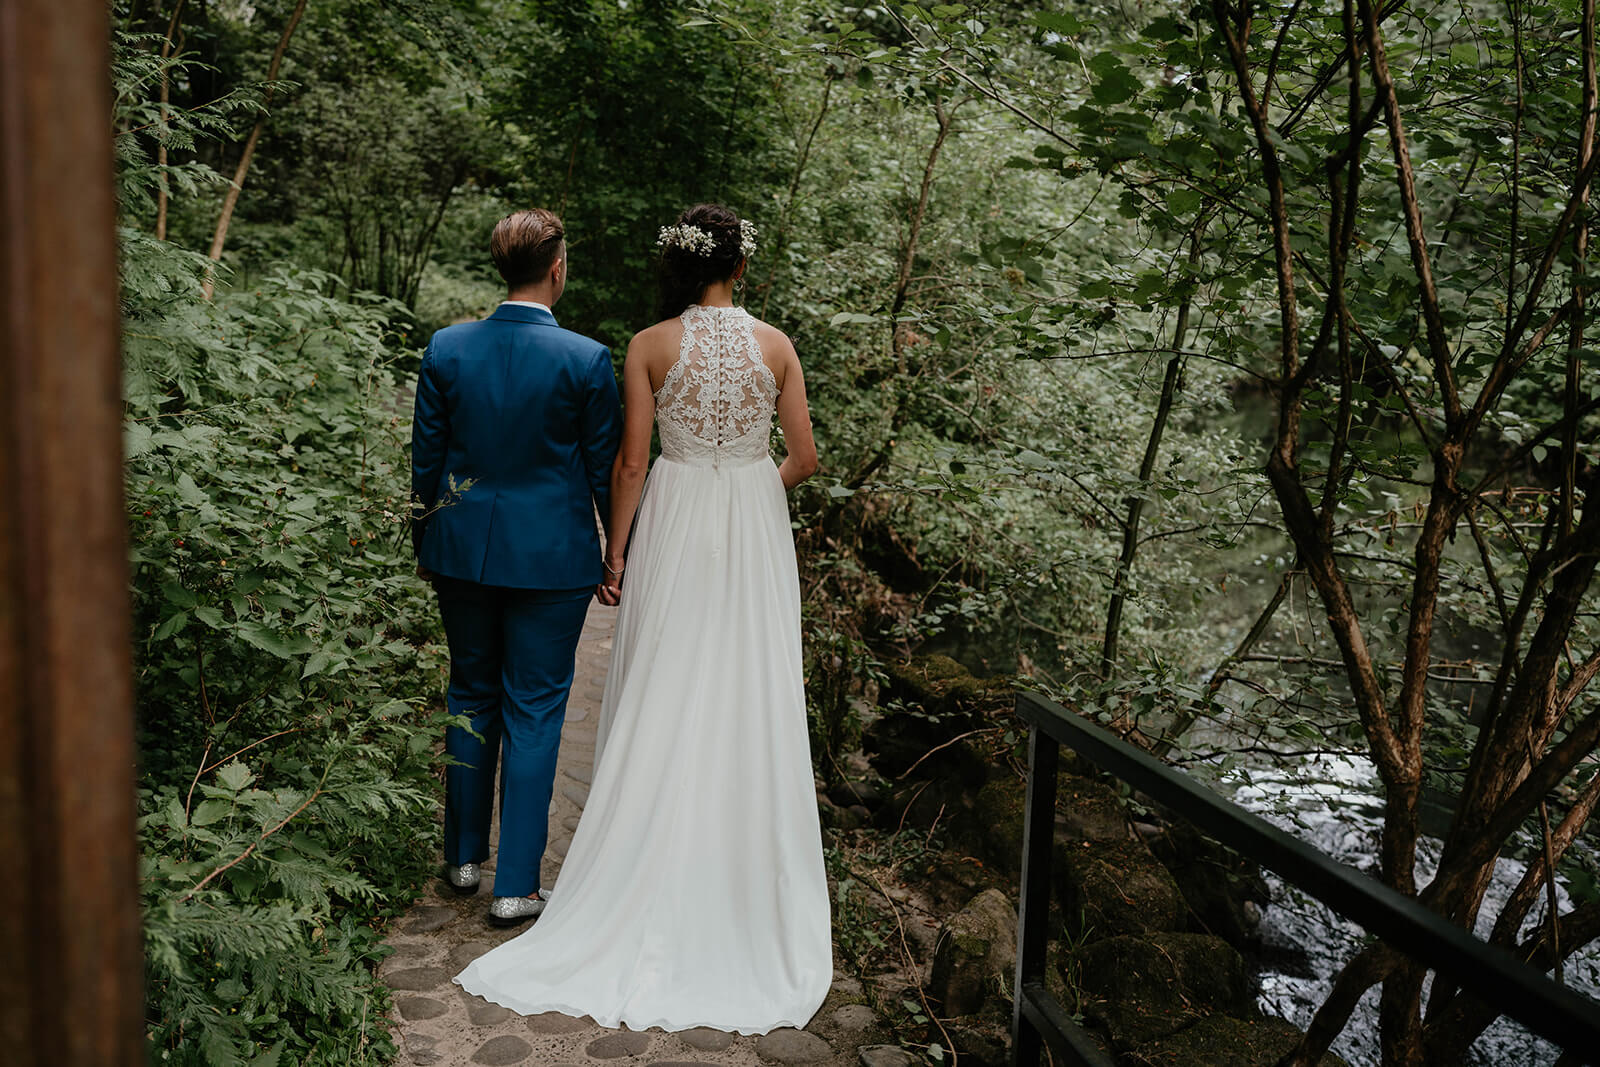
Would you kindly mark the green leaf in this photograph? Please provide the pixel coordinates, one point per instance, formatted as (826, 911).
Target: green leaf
(1114, 83)
(172, 625)
(850, 316)
(282, 645)
(1058, 22)
(1181, 201)
(235, 775)
(210, 811)
(317, 662)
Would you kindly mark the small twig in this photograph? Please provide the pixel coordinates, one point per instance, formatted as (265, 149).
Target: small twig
(947, 744)
(907, 809)
(247, 748)
(933, 826)
(916, 971)
(253, 845)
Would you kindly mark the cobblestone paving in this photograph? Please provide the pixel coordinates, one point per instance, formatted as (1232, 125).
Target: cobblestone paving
(436, 1022)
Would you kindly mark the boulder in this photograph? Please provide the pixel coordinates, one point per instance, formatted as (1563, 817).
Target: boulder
(978, 1048)
(1143, 989)
(833, 817)
(976, 953)
(1224, 893)
(1115, 887)
(995, 828)
(1088, 810)
(928, 701)
(1225, 1041)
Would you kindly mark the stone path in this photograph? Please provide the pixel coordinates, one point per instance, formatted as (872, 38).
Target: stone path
(436, 1022)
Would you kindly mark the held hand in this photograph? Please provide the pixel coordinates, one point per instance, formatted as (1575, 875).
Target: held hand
(610, 591)
(424, 573)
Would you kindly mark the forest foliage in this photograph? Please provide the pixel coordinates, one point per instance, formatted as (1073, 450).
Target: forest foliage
(1224, 371)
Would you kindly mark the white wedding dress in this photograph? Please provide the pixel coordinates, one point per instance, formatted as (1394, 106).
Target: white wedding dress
(693, 893)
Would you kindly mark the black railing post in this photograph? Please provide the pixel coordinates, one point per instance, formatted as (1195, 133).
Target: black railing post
(1565, 1017)
(1033, 907)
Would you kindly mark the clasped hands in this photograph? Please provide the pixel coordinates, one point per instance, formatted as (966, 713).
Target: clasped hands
(609, 592)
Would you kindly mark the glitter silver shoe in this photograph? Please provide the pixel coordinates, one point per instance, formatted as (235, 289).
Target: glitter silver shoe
(509, 911)
(463, 879)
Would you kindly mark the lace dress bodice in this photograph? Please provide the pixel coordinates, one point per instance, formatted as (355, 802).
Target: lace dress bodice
(716, 403)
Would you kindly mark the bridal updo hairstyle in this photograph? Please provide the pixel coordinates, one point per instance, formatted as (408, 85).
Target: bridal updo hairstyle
(525, 245)
(685, 272)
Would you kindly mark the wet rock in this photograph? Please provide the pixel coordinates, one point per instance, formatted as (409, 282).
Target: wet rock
(976, 952)
(1141, 989)
(885, 1056)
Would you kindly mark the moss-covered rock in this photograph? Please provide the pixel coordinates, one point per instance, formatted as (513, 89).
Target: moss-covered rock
(1224, 893)
(1089, 810)
(1107, 888)
(1225, 1041)
(1142, 989)
(975, 954)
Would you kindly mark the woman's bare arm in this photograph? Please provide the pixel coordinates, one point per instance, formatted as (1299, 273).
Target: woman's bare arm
(633, 460)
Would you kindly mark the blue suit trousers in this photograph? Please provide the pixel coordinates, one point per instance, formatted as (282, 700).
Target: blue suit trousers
(511, 664)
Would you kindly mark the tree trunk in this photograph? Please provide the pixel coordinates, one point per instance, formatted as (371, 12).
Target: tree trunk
(220, 237)
(167, 48)
(1147, 466)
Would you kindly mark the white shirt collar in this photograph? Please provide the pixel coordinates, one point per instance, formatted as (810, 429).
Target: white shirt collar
(526, 304)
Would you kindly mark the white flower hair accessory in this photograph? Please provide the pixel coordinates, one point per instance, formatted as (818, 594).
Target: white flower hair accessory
(747, 238)
(687, 237)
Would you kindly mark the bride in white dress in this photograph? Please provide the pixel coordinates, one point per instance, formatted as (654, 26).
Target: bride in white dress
(693, 893)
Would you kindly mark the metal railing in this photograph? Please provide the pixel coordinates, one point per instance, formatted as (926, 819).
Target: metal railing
(1523, 993)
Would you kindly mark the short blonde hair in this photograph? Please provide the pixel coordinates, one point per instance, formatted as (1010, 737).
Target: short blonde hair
(525, 244)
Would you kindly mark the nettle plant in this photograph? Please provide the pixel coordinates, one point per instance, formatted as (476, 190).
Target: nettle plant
(285, 657)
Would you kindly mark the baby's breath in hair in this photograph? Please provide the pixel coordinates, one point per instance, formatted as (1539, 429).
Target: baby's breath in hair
(747, 238)
(687, 237)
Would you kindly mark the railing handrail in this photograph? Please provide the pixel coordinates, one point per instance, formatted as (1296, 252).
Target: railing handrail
(1522, 992)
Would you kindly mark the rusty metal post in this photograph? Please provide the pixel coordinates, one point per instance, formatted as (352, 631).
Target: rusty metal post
(71, 977)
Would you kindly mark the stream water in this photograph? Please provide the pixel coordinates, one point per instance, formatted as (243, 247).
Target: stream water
(1333, 804)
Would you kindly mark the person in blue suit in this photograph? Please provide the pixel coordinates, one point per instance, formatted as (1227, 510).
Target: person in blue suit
(516, 427)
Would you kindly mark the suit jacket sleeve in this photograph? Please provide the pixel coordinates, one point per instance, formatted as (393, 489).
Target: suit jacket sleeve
(602, 431)
(430, 438)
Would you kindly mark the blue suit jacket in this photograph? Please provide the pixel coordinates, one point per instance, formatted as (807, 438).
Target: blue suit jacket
(528, 414)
